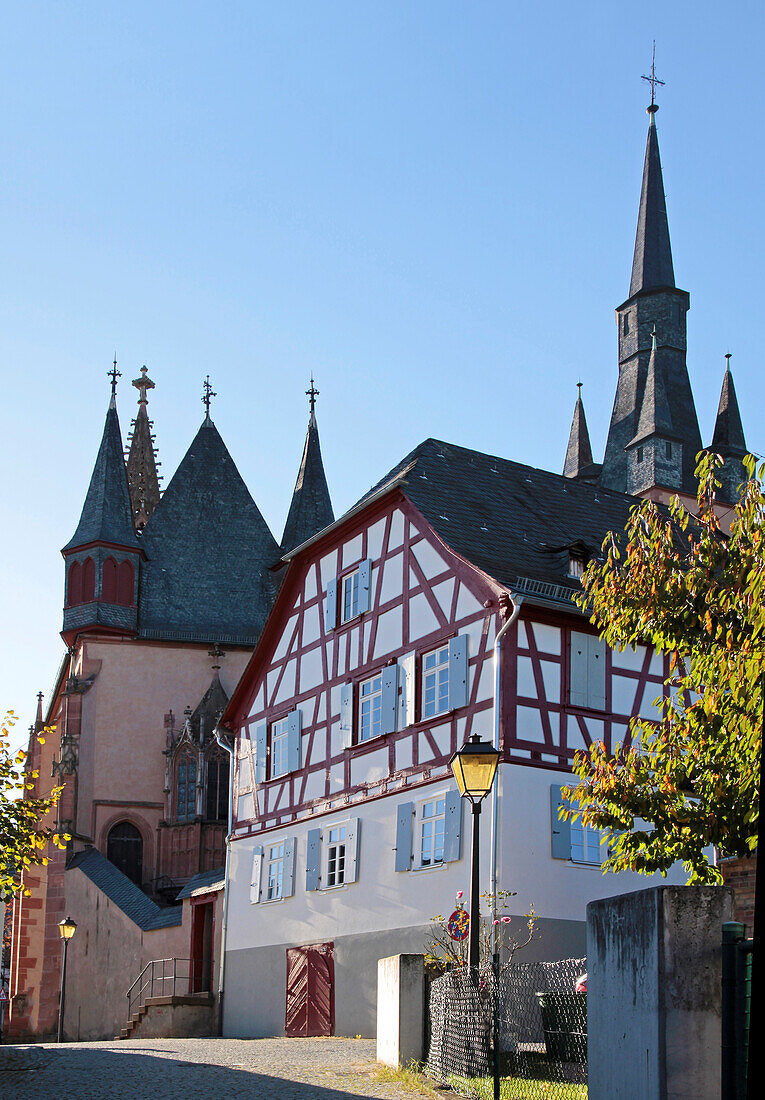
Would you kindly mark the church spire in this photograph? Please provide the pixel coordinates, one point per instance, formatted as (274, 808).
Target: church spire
(579, 452)
(655, 416)
(143, 479)
(311, 507)
(728, 439)
(652, 263)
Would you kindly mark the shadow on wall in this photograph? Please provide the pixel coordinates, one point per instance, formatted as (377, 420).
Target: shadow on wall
(39, 1072)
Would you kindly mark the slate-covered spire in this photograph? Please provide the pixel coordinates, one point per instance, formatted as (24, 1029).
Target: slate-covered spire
(107, 514)
(655, 416)
(311, 507)
(143, 480)
(652, 262)
(728, 439)
(579, 451)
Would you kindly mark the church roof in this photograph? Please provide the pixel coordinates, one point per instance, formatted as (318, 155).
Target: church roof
(728, 439)
(655, 416)
(652, 262)
(106, 514)
(207, 577)
(311, 507)
(123, 893)
(205, 717)
(143, 480)
(515, 522)
(579, 452)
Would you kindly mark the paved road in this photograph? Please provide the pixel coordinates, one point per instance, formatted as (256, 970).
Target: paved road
(196, 1069)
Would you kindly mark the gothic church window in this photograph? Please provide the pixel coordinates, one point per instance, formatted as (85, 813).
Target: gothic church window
(124, 848)
(88, 581)
(74, 589)
(216, 796)
(125, 578)
(186, 789)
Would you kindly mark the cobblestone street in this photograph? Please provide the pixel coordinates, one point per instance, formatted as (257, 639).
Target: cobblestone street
(196, 1069)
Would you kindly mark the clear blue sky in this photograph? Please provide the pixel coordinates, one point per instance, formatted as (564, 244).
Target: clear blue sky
(430, 205)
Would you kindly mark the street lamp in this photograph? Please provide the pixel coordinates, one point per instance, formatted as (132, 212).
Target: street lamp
(474, 767)
(67, 928)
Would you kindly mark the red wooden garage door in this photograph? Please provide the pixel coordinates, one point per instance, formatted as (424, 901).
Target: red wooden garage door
(310, 990)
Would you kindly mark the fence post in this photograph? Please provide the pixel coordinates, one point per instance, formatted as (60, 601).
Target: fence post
(732, 934)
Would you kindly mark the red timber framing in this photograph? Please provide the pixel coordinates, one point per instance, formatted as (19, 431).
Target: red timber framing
(540, 727)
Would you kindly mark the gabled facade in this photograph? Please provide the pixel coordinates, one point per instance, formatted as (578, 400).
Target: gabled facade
(375, 666)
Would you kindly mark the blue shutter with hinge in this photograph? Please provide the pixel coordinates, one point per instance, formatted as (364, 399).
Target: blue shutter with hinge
(365, 585)
(288, 878)
(404, 836)
(261, 747)
(458, 671)
(560, 830)
(257, 864)
(587, 687)
(452, 827)
(580, 650)
(346, 714)
(596, 674)
(312, 859)
(352, 833)
(406, 691)
(389, 700)
(293, 740)
(330, 607)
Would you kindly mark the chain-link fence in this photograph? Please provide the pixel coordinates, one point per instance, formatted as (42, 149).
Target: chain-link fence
(537, 1017)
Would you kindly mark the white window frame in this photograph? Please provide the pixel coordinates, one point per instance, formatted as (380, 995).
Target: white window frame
(280, 737)
(421, 820)
(439, 669)
(350, 581)
(588, 841)
(328, 846)
(275, 871)
(374, 699)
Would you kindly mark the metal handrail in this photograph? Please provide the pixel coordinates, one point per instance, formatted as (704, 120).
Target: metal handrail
(155, 976)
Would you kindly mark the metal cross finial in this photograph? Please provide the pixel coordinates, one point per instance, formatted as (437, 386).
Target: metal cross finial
(216, 653)
(312, 394)
(114, 374)
(579, 387)
(208, 395)
(728, 357)
(653, 79)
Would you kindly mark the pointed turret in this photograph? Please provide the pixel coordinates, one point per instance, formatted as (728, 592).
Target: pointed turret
(311, 507)
(728, 438)
(655, 455)
(143, 480)
(652, 262)
(209, 551)
(655, 305)
(102, 556)
(579, 462)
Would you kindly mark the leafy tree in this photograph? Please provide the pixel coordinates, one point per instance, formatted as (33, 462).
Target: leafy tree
(674, 581)
(23, 839)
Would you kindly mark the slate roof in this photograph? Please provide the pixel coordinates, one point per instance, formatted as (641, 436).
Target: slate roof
(125, 894)
(209, 550)
(311, 507)
(652, 261)
(655, 416)
(728, 439)
(205, 717)
(515, 522)
(578, 461)
(107, 514)
(204, 882)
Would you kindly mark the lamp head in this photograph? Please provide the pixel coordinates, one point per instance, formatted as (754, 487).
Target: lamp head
(474, 767)
(67, 928)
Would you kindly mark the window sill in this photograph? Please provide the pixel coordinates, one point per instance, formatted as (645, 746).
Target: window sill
(583, 866)
(420, 870)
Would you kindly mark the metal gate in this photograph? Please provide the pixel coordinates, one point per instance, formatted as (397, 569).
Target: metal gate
(310, 990)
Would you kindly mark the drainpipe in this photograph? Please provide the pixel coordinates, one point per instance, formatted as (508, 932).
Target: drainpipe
(515, 603)
(221, 978)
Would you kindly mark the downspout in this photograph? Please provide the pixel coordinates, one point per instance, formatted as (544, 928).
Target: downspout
(224, 922)
(515, 603)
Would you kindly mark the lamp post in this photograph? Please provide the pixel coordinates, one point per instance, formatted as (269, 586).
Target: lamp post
(474, 767)
(67, 928)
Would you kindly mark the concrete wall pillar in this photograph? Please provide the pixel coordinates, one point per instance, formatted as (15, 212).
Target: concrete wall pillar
(400, 1009)
(654, 965)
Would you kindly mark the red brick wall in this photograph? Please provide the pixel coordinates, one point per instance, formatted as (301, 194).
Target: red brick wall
(739, 874)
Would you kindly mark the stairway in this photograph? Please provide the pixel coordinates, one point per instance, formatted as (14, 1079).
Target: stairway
(175, 1017)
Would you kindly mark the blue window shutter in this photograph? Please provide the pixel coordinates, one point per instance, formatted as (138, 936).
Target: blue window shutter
(346, 714)
(261, 746)
(406, 694)
(352, 833)
(288, 879)
(389, 698)
(312, 859)
(458, 671)
(404, 836)
(452, 827)
(365, 585)
(560, 830)
(580, 655)
(330, 607)
(257, 863)
(293, 740)
(596, 674)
